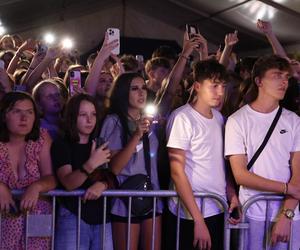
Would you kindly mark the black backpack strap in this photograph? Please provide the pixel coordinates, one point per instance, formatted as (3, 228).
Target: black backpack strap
(146, 148)
(267, 137)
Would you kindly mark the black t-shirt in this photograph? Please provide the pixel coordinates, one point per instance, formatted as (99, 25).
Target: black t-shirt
(75, 154)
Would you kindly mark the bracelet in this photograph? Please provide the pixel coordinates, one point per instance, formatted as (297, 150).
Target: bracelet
(183, 56)
(285, 190)
(83, 170)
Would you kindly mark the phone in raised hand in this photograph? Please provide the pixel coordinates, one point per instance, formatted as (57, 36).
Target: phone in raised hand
(114, 34)
(75, 81)
(192, 30)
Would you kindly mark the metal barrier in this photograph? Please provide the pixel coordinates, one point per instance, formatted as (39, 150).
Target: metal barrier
(129, 194)
(267, 197)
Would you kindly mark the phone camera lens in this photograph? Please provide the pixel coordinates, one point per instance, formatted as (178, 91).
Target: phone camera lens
(72, 74)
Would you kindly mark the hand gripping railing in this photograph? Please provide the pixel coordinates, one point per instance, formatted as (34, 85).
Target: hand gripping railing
(267, 197)
(129, 194)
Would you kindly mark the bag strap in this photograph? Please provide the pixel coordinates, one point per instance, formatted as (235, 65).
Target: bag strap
(146, 148)
(267, 137)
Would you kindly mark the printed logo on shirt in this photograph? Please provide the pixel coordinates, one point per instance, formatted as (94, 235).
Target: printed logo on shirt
(283, 131)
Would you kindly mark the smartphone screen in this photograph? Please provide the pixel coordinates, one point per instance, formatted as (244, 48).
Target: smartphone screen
(114, 34)
(191, 30)
(75, 80)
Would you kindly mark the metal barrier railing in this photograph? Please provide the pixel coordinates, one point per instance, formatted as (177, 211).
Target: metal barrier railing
(127, 193)
(267, 197)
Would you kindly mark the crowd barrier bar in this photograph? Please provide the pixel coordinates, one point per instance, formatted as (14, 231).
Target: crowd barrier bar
(129, 194)
(267, 197)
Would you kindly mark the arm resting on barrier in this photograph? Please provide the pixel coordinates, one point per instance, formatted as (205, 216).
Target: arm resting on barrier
(282, 229)
(185, 192)
(246, 178)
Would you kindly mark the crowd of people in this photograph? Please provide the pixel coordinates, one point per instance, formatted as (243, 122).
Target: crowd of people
(92, 133)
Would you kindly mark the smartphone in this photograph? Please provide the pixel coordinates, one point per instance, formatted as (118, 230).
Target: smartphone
(191, 30)
(235, 214)
(2, 64)
(75, 80)
(114, 34)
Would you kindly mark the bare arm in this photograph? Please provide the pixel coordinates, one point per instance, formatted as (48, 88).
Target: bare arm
(95, 73)
(230, 40)
(170, 84)
(35, 75)
(121, 158)
(282, 229)
(266, 28)
(28, 44)
(185, 192)
(246, 178)
(74, 179)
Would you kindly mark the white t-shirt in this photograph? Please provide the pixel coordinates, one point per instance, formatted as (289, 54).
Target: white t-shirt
(245, 131)
(202, 140)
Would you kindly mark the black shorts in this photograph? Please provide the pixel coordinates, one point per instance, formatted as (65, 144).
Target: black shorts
(134, 219)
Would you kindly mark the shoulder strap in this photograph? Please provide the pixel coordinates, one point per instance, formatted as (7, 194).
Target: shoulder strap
(267, 137)
(146, 148)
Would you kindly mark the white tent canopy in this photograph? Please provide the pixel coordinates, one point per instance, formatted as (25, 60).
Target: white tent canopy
(86, 20)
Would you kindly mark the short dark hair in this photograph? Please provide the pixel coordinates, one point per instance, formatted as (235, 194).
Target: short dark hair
(7, 103)
(261, 66)
(129, 63)
(209, 69)
(71, 114)
(165, 51)
(156, 62)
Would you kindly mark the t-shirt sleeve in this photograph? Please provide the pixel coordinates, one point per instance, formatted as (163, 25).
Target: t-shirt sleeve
(234, 138)
(111, 132)
(296, 143)
(178, 132)
(60, 154)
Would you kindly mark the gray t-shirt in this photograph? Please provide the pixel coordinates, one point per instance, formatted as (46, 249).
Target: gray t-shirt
(112, 132)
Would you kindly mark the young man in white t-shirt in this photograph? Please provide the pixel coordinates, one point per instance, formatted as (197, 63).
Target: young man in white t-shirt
(277, 169)
(195, 147)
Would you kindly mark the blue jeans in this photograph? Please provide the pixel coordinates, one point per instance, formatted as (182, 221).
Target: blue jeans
(90, 235)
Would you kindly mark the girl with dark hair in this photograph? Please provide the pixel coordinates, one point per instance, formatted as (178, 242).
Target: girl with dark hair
(75, 159)
(25, 163)
(124, 129)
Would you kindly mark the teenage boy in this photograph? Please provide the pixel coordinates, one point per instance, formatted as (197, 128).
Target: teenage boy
(195, 147)
(277, 169)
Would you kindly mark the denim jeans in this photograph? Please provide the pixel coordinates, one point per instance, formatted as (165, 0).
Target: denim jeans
(90, 235)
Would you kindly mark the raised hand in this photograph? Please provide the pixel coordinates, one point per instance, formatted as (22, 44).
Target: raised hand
(107, 47)
(264, 26)
(29, 44)
(231, 39)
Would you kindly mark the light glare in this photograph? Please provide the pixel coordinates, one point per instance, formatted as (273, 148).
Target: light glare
(49, 38)
(150, 110)
(67, 43)
(2, 30)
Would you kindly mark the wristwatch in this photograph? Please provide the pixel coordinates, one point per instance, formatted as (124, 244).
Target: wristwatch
(289, 213)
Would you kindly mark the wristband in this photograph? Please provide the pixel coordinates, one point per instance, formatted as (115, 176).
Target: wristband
(83, 170)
